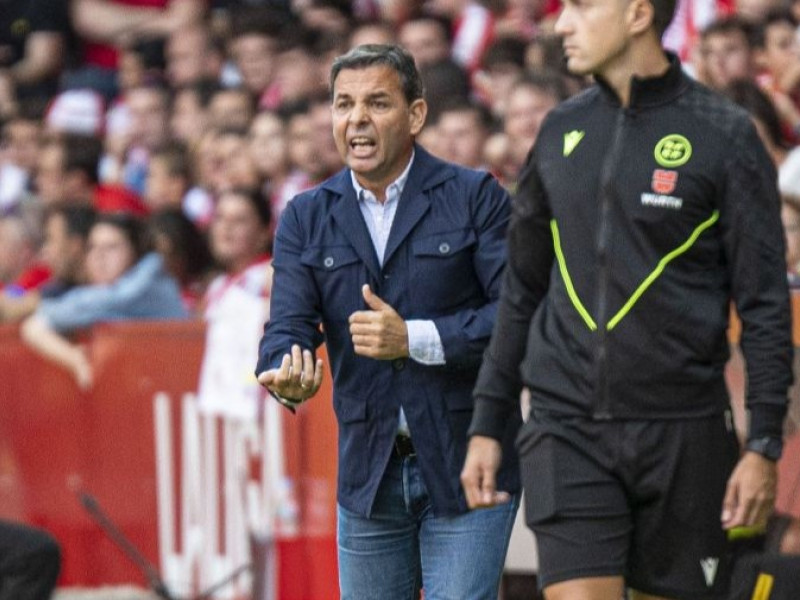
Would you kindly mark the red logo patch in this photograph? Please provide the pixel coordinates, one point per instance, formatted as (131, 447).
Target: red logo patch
(664, 181)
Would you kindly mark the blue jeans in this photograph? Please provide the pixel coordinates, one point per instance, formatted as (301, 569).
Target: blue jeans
(403, 547)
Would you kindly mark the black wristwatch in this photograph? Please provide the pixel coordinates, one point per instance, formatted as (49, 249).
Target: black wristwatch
(768, 447)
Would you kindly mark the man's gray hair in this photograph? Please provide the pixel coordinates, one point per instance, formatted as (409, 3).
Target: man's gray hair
(395, 57)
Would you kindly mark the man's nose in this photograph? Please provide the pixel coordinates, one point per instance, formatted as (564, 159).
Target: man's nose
(359, 113)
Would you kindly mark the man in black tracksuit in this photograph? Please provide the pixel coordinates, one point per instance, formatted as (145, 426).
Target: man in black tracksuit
(647, 204)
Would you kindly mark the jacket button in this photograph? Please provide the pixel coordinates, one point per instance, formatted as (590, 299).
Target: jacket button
(398, 364)
(328, 262)
(444, 248)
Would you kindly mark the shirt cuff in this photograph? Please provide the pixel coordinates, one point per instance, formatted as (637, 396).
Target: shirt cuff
(424, 343)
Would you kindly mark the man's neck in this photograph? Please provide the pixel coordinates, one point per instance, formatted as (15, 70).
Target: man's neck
(644, 60)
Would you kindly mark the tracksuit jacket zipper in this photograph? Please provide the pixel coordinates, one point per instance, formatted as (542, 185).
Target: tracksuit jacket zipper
(602, 409)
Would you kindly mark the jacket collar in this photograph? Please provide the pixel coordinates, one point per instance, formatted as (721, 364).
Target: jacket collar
(426, 172)
(652, 91)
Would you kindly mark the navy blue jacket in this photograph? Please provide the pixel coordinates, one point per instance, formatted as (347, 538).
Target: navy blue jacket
(444, 261)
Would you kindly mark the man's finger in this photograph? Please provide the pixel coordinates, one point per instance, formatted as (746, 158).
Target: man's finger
(296, 370)
(372, 300)
(267, 378)
(729, 503)
(319, 371)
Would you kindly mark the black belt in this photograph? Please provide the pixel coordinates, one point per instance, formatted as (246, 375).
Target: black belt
(403, 446)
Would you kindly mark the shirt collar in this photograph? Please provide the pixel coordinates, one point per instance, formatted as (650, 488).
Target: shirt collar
(652, 91)
(397, 185)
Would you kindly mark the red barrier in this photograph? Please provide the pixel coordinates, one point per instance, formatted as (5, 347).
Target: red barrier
(56, 440)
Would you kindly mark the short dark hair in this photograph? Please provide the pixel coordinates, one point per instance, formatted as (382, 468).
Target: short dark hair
(750, 96)
(131, 227)
(257, 199)
(81, 153)
(78, 219)
(728, 25)
(505, 50)
(467, 105)
(186, 239)
(546, 82)
(663, 12)
(393, 56)
(775, 16)
(176, 159)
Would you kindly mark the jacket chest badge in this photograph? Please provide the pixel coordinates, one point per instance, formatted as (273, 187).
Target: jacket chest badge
(664, 181)
(672, 151)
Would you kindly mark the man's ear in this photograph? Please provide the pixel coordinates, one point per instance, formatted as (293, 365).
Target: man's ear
(640, 16)
(416, 115)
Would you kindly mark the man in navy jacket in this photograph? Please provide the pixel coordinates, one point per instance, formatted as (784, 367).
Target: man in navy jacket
(399, 257)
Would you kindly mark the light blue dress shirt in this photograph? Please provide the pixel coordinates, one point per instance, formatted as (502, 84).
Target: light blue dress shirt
(424, 342)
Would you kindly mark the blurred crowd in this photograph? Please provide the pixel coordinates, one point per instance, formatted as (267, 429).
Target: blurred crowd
(149, 146)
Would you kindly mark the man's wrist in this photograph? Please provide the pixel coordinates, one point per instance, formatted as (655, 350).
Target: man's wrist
(767, 446)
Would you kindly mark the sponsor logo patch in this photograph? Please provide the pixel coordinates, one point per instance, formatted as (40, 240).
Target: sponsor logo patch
(662, 201)
(673, 151)
(571, 141)
(664, 181)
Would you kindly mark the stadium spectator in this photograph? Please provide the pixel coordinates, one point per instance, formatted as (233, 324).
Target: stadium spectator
(463, 129)
(149, 118)
(472, 29)
(124, 281)
(427, 38)
(444, 81)
(253, 46)
(322, 123)
(189, 111)
(185, 253)
(66, 230)
(725, 53)
(777, 56)
(304, 157)
(67, 170)
(297, 68)
(234, 165)
(106, 25)
(529, 101)
(372, 32)
(231, 108)
(269, 152)
(503, 63)
(193, 56)
(240, 241)
(168, 178)
(20, 240)
(20, 143)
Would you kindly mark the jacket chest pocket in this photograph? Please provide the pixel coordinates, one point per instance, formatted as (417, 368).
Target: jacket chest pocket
(338, 273)
(444, 268)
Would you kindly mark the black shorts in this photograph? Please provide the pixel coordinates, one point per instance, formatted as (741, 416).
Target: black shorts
(637, 499)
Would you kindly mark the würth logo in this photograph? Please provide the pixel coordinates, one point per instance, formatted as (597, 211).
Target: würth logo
(664, 181)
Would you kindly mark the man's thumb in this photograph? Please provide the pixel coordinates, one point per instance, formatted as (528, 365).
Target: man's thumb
(372, 300)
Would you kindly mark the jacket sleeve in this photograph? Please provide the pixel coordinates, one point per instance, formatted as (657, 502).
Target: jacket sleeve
(295, 313)
(526, 280)
(465, 334)
(84, 306)
(754, 247)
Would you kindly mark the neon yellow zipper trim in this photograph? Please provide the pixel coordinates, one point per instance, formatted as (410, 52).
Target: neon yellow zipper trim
(662, 264)
(562, 266)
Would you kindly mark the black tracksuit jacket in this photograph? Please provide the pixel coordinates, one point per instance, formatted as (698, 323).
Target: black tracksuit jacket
(633, 228)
